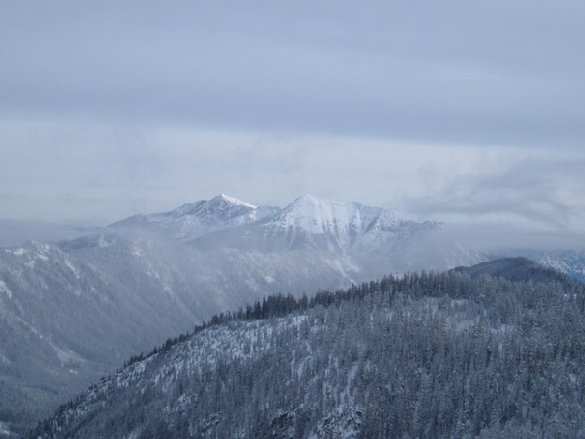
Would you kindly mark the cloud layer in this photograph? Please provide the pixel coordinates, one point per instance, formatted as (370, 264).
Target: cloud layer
(465, 72)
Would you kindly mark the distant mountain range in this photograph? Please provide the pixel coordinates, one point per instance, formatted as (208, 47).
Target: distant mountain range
(74, 310)
(307, 223)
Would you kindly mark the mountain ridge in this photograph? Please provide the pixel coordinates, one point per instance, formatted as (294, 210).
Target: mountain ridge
(313, 223)
(198, 218)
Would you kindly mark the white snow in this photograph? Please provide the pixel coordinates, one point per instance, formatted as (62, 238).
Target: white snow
(71, 267)
(4, 430)
(4, 359)
(5, 289)
(66, 355)
(103, 242)
(17, 251)
(343, 224)
(316, 215)
(236, 201)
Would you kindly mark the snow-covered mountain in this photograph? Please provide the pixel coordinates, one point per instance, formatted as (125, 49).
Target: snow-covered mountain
(332, 225)
(308, 223)
(350, 231)
(340, 224)
(195, 219)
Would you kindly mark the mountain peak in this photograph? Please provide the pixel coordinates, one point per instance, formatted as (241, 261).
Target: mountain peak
(219, 208)
(200, 217)
(231, 200)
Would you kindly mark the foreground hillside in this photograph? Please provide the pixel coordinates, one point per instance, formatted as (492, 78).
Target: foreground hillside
(429, 355)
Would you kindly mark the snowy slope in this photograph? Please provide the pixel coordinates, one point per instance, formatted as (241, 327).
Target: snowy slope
(337, 225)
(315, 215)
(347, 227)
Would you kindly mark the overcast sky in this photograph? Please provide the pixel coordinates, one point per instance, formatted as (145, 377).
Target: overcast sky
(455, 110)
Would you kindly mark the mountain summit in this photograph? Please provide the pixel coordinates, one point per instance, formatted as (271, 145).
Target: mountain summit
(221, 207)
(201, 217)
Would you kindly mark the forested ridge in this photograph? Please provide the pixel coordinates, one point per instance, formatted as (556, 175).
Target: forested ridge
(422, 355)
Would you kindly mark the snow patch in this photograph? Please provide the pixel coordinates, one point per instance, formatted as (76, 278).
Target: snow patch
(103, 242)
(138, 252)
(5, 289)
(233, 200)
(71, 267)
(17, 251)
(4, 429)
(4, 360)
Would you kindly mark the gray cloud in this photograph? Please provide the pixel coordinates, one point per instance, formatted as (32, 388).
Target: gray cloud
(544, 191)
(471, 72)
